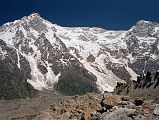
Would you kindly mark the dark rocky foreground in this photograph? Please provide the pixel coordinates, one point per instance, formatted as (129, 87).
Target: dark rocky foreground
(108, 106)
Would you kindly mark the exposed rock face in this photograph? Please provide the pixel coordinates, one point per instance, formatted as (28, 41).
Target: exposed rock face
(146, 87)
(12, 79)
(90, 107)
(79, 59)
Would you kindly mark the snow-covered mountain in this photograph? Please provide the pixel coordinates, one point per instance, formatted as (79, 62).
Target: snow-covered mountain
(79, 58)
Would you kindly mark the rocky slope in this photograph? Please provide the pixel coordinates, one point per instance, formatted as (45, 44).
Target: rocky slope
(146, 87)
(75, 60)
(13, 81)
(101, 107)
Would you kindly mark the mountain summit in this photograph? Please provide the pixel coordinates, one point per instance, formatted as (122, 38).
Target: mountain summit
(75, 60)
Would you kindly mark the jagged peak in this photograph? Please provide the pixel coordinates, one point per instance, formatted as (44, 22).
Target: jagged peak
(34, 14)
(142, 24)
(143, 21)
(146, 23)
(25, 18)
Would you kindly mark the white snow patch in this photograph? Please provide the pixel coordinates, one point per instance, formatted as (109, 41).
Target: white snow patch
(148, 40)
(34, 32)
(132, 73)
(37, 78)
(101, 78)
(2, 54)
(18, 59)
(24, 31)
(153, 56)
(51, 78)
(130, 58)
(50, 36)
(156, 29)
(72, 52)
(7, 37)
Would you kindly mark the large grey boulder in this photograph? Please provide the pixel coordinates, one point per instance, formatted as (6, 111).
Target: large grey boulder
(156, 110)
(119, 114)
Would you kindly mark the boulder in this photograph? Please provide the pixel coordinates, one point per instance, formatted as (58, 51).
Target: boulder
(88, 112)
(156, 110)
(119, 114)
(112, 100)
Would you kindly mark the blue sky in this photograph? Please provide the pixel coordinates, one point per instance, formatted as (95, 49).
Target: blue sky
(108, 14)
